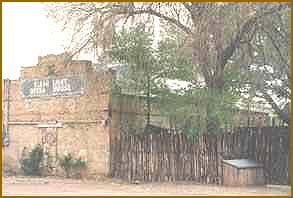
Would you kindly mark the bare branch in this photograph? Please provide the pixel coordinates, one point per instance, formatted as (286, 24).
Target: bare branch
(160, 15)
(246, 29)
(284, 116)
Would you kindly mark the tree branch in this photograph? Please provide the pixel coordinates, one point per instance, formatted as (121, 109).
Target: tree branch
(246, 28)
(288, 73)
(158, 14)
(283, 115)
(187, 6)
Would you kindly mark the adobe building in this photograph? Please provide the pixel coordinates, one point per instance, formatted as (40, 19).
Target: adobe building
(61, 104)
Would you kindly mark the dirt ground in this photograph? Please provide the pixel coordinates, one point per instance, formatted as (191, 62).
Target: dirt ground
(107, 186)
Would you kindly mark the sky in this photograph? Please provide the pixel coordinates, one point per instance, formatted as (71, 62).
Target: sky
(26, 34)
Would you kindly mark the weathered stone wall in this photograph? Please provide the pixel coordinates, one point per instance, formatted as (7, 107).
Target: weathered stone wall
(20, 136)
(80, 119)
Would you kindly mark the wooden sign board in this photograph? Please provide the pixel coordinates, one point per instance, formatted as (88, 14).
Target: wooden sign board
(52, 86)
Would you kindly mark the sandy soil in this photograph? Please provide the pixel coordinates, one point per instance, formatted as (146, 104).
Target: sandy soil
(107, 186)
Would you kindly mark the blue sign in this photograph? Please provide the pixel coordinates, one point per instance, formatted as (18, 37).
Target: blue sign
(65, 86)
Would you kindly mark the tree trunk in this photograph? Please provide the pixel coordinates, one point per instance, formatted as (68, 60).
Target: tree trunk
(214, 80)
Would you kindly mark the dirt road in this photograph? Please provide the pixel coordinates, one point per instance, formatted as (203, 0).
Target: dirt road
(106, 186)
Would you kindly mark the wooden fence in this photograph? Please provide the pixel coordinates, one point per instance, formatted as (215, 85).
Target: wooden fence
(166, 156)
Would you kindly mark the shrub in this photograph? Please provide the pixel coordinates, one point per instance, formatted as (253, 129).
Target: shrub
(80, 167)
(71, 166)
(67, 163)
(31, 163)
(79, 164)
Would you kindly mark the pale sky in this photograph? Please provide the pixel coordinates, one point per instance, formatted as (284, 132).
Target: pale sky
(26, 34)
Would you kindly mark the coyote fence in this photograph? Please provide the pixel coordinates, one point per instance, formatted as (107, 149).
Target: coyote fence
(166, 156)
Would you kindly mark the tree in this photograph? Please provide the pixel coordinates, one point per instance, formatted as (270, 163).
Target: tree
(133, 49)
(270, 74)
(278, 37)
(185, 100)
(216, 30)
(148, 71)
(219, 35)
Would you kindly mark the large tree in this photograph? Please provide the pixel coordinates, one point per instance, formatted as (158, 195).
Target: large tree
(139, 69)
(219, 34)
(216, 30)
(270, 73)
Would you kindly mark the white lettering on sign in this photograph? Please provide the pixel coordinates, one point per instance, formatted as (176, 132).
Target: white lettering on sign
(39, 87)
(61, 85)
(68, 86)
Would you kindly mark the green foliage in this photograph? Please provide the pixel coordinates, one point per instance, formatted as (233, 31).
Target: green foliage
(31, 162)
(176, 60)
(71, 166)
(133, 49)
(51, 70)
(190, 132)
(67, 163)
(195, 106)
(79, 164)
(192, 111)
(189, 108)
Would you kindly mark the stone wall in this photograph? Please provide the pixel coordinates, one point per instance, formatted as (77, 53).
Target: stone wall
(79, 120)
